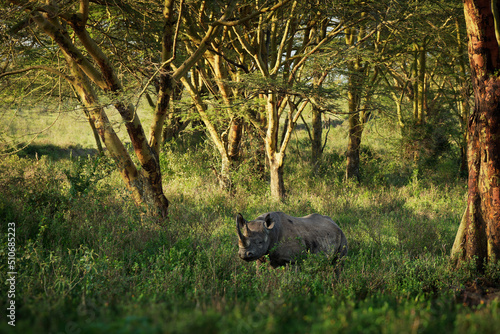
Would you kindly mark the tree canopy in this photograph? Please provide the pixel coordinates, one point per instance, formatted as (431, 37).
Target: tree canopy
(249, 68)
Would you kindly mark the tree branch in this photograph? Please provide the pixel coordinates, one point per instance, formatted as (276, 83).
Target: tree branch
(251, 16)
(38, 67)
(496, 19)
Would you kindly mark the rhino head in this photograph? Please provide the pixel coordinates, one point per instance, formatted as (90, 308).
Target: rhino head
(254, 239)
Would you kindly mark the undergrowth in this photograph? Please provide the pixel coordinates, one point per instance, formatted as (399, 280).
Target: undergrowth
(89, 261)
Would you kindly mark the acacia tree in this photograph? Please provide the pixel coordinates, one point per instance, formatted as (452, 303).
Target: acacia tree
(361, 57)
(211, 75)
(279, 45)
(53, 23)
(419, 65)
(316, 30)
(357, 72)
(478, 237)
(67, 26)
(262, 53)
(218, 74)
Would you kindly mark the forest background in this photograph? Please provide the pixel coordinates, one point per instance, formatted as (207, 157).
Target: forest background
(132, 133)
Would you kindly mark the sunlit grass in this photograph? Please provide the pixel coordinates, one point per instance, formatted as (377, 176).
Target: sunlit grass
(64, 127)
(90, 258)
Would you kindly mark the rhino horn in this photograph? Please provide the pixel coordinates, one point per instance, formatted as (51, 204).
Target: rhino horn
(241, 222)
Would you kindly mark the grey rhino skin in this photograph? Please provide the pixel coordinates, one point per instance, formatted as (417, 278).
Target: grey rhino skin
(285, 238)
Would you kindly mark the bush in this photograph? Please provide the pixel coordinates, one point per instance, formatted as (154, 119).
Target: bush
(90, 261)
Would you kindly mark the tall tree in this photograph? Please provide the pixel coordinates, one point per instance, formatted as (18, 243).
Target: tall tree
(55, 23)
(219, 72)
(280, 44)
(72, 29)
(211, 75)
(356, 75)
(361, 41)
(419, 63)
(478, 237)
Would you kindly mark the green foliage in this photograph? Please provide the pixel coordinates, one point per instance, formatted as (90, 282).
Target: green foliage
(90, 262)
(86, 172)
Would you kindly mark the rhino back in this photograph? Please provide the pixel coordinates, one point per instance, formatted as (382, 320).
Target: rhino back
(314, 233)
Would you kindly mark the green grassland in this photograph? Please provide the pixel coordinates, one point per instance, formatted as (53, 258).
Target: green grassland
(89, 261)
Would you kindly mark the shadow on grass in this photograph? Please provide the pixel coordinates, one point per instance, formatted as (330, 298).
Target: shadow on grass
(54, 152)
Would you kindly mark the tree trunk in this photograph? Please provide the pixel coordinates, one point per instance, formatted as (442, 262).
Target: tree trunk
(277, 185)
(354, 86)
(94, 131)
(116, 150)
(478, 237)
(415, 86)
(317, 133)
(353, 146)
(355, 122)
(236, 125)
(161, 111)
(234, 139)
(274, 157)
(146, 154)
(421, 96)
(165, 78)
(147, 158)
(464, 105)
(224, 175)
(105, 77)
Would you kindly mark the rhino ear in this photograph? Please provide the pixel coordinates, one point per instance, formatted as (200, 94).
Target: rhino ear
(269, 223)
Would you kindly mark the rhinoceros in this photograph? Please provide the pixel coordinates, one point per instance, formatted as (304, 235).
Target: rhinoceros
(285, 238)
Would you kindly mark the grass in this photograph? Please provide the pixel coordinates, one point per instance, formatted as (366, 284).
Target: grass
(89, 261)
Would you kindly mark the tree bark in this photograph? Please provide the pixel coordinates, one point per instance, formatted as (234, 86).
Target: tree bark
(353, 146)
(478, 237)
(165, 78)
(234, 139)
(277, 184)
(354, 87)
(355, 122)
(317, 124)
(274, 156)
(317, 134)
(94, 132)
(420, 94)
(464, 105)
